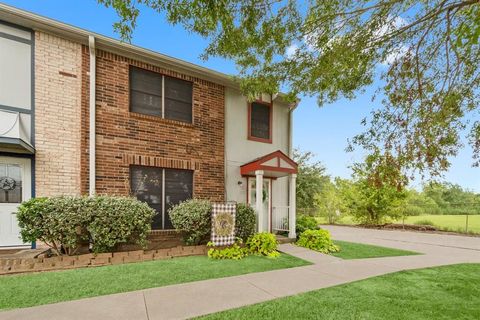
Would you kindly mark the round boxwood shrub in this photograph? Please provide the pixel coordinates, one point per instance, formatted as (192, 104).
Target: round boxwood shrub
(245, 221)
(193, 218)
(64, 222)
(117, 220)
(318, 240)
(59, 222)
(304, 223)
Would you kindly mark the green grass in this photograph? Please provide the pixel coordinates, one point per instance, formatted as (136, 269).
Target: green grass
(351, 250)
(449, 222)
(449, 292)
(454, 223)
(18, 291)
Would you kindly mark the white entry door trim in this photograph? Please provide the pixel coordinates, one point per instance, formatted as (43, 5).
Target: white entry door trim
(267, 201)
(16, 173)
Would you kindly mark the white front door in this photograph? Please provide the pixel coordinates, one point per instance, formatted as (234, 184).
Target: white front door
(267, 196)
(15, 187)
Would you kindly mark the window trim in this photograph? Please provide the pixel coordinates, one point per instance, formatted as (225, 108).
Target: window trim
(163, 76)
(270, 125)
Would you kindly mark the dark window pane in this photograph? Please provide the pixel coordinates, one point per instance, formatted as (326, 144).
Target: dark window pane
(177, 110)
(145, 92)
(178, 100)
(178, 188)
(146, 103)
(146, 81)
(260, 121)
(146, 185)
(10, 183)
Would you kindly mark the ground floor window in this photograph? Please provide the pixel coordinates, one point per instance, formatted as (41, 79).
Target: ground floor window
(161, 188)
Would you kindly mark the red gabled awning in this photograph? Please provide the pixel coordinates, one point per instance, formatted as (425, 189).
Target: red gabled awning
(276, 164)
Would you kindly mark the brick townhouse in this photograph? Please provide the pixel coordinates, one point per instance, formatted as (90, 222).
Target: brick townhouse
(81, 113)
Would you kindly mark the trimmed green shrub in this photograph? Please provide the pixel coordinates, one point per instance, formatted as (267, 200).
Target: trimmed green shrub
(193, 218)
(306, 223)
(245, 221)
(117, 220)
(59, 222)
(318, 240)
(234, 252)
(64, 222)
(263, 244)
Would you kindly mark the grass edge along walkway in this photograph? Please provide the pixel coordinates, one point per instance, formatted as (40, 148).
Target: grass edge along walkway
(446, 292)
(26, 290)
(355, 250)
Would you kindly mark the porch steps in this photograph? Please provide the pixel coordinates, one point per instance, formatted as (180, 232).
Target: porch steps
(283, 239)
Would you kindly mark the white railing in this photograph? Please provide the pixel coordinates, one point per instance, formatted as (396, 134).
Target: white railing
(280, 218)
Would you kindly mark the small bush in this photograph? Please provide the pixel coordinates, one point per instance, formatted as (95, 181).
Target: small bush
(263, 244)
(234, 252)
(245, 221)
(117, 220)
(318, 240)
(193, 218)
(306, 223)
(59, 222)
(64, 222)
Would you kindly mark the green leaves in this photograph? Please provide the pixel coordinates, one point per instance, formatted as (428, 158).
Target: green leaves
(263, 244)
(193, 218)
(245, 221)
(426, 53)
(318, 240)
(64, 223)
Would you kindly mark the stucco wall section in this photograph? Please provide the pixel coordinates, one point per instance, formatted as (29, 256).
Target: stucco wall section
(57, 115)
(239, 150)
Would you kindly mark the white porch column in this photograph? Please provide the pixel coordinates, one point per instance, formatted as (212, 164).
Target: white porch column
(292, 211)
(259, 198)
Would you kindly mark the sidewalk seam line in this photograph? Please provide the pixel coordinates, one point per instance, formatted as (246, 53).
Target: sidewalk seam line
(145, 304)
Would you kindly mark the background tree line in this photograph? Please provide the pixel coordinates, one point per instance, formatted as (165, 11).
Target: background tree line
(369, 198)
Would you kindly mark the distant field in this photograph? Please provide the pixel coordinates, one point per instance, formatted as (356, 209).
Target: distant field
(444, 222)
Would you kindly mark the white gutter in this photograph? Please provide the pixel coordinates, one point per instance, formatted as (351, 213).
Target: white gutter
(91, 160)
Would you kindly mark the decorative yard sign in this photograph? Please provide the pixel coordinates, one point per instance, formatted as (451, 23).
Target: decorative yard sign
(223, 224)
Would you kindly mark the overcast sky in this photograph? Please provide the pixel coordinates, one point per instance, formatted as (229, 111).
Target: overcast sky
(322, 130)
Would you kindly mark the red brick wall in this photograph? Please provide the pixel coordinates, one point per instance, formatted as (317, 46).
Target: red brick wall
(125, 138)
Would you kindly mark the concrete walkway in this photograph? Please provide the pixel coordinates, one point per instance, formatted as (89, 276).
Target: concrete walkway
(203, 297)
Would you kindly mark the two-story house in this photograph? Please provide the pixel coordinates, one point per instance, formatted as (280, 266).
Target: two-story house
(81, 113)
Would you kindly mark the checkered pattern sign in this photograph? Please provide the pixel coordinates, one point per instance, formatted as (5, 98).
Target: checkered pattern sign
(223, 224)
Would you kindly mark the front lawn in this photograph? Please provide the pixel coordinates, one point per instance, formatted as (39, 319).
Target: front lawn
(27, 290)
(449, 292)
(351, 250)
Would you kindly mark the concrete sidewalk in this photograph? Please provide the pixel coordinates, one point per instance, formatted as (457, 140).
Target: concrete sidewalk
(203, 297)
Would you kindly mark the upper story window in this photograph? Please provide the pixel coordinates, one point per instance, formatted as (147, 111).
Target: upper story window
(260, 122)
(162, 96)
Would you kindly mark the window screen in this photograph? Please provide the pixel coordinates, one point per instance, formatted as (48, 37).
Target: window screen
(260, 120)
(147, 184)
(145, 92)
(178, 100)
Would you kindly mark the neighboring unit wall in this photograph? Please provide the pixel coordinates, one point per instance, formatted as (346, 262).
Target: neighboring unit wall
(57, 115)
(240, 150)
(125, 138)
